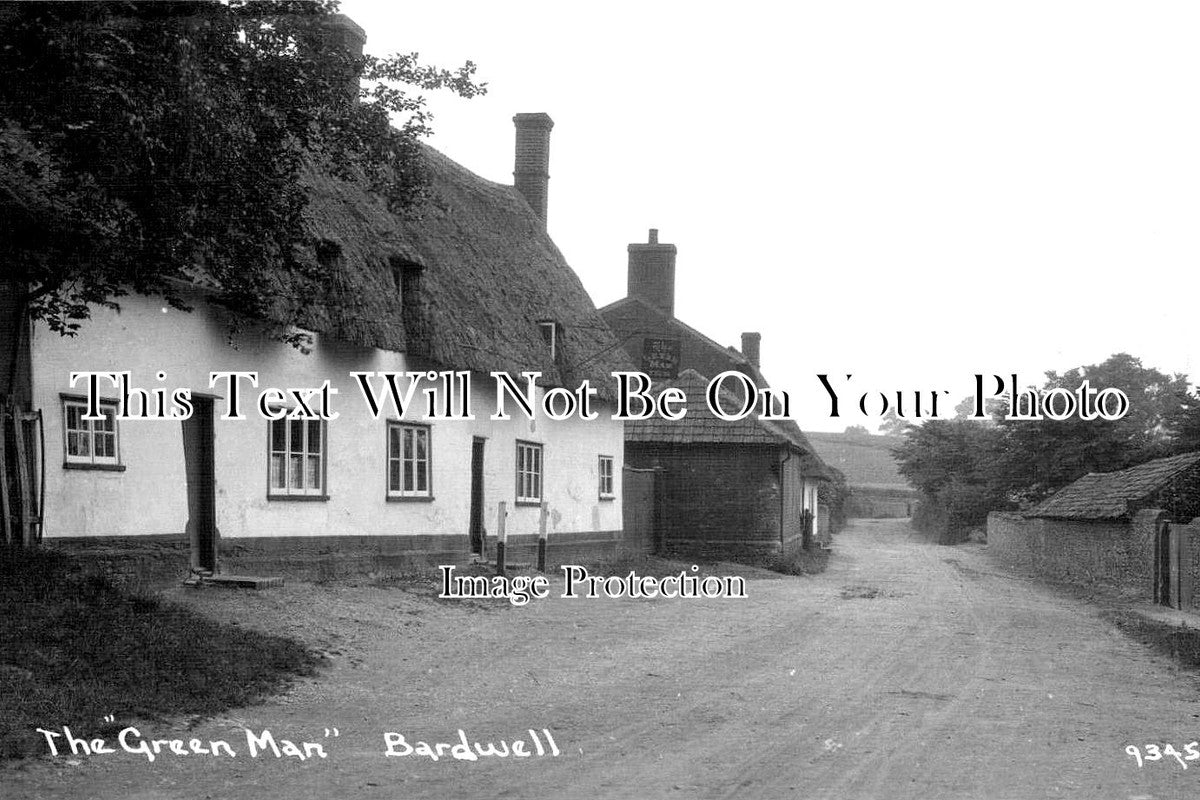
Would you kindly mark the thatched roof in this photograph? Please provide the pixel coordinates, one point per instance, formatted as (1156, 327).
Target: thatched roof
(488, 275)
(1115, 495)
(361, 302)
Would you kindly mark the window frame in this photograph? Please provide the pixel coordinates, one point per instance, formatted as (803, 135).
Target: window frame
(553, 341)
(111, 463)
(287, 492)
(611, 494)
(401, 495)
(537, 473)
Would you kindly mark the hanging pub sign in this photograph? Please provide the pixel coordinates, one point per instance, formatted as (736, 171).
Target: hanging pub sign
(660, 358)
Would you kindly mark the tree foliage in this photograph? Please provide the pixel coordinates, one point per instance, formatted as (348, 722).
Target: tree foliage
(1039, 457)
(141, 142)
(967, 467)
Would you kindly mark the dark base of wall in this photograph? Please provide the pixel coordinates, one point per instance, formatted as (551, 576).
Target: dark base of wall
(129, 560)
(163, 558)
(728, 550)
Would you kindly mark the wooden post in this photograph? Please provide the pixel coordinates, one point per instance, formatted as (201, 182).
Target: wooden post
(4, 507)
(541, 565)
(30, 422)
(501, 536)
(25, 521)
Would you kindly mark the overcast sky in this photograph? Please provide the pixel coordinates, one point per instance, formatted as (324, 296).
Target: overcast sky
(910, 192)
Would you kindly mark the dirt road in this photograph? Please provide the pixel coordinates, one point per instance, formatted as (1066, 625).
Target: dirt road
(905, 671)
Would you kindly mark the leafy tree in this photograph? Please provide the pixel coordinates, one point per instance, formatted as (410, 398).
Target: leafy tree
(833, 495)
(966, 467)
(1184, 424)
(1041, 456)
(950, 461)
(141, 141)
(892, 425)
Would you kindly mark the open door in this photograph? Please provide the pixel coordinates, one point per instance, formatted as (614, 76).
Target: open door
(200, 470)
(477, 495)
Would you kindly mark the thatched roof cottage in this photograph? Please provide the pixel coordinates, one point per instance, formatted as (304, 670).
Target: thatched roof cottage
(473, 283)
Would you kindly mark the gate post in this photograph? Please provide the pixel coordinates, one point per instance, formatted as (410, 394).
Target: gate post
(501, 536)
(541, 558)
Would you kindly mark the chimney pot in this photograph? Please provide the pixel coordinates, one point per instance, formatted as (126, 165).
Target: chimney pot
(652, 273)
(344, 34)
(531, 170)
(750, 347)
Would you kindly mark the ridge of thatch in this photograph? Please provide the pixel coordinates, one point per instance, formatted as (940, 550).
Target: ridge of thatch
(488, 275)
(492, 275)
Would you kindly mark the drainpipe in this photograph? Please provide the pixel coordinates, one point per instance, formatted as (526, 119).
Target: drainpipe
(782, 497)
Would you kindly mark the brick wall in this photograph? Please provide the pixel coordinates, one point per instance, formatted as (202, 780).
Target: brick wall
(717, 499)
(634, 323)
(531, 174)
(1114, 553)
(1191, 562)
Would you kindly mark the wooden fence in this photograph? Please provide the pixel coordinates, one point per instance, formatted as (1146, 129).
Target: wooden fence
(22, 475)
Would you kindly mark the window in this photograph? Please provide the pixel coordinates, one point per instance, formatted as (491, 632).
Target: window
(90, 443)
(297, 459)
(329, 255)
(550, 335)
(606, 478)
(408, 464)
(529, 473)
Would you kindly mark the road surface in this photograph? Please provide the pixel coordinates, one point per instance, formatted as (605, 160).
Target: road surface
(906, 670)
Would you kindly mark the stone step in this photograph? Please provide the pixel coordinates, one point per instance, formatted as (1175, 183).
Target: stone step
(514, 565)
(241, 581)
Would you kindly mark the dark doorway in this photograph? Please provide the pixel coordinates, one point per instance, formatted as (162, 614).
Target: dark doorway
(200, 470)
(1162, 562)
(477, 495)
(640, 509)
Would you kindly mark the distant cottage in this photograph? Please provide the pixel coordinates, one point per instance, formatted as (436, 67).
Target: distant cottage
(1171, 484)
(725, 487)
(1127, 528)
(475, 284)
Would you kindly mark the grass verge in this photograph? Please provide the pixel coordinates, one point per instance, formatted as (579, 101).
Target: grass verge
(75, 648)
(1180, 643)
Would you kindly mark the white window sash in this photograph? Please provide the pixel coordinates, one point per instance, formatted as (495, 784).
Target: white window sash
(89, 436)
(297, 468)
(409, 461)
(529, 473)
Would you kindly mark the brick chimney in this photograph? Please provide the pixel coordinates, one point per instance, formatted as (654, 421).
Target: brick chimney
(343, 34)
(531, 170)
(750, 343)
(652, 273)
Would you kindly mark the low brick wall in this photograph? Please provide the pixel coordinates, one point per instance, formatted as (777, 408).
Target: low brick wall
(1115, 553)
